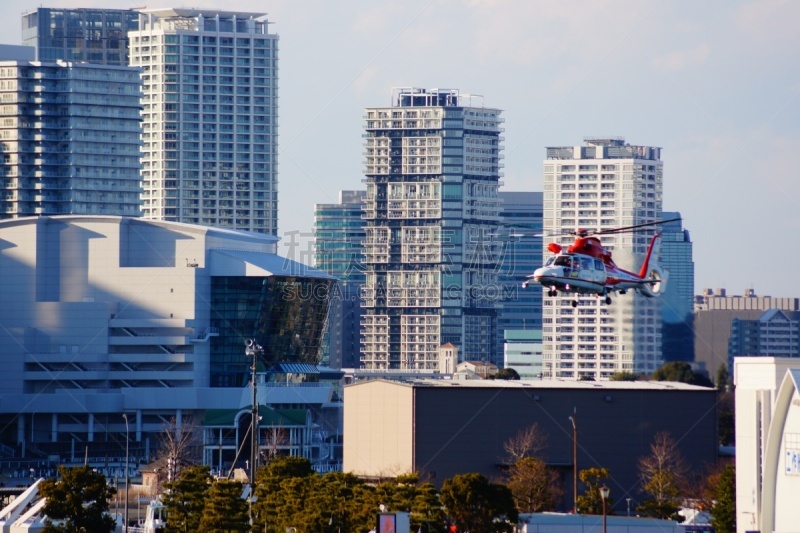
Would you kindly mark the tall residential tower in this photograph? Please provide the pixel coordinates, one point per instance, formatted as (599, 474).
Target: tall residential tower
(70, 139)
(605, 183)
(210, 117)
(432, 174)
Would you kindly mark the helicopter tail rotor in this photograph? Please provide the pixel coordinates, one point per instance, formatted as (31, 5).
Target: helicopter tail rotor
(656, 282)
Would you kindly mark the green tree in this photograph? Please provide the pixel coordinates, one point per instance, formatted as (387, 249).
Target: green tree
(722, 378)
(186, 498)
(534, 486)
(427, 514)
(726, 418)
(625, 376)
(79, 499)
(478, 506)
(590, 502)
(724, 510)
(276, 496)
(405, 493)
(506, 373)
(663, 472)
(225, 510)
(682, 372)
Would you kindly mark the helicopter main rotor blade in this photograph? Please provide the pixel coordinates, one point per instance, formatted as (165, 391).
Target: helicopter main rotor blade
(634, 228)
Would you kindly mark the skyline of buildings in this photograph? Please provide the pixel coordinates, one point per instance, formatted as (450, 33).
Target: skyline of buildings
(178, 105)
(432, 171)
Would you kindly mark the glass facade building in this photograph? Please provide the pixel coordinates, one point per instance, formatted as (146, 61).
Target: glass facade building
(432, 167)
(210, 117)
(521, 254)
(606, 183)
(92, 35)
(285, 315)
(338, 234)
(70, 139)
(677, 302)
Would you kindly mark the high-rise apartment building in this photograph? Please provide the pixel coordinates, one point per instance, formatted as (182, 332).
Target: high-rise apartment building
(70, 139)
(210, 117)
(603, 184)
(91, 35)
(520, 255)
(677, 302)
(432, 174)
(338, 234)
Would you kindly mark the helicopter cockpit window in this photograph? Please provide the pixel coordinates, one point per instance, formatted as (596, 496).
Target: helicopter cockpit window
(598, 265)
(563, 261)
(586, 263)
(549, 261)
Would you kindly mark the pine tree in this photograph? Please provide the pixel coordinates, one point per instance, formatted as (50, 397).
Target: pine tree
(225, 510)
(724, 511)
(186, 497)
(474, 503)
(79, 499)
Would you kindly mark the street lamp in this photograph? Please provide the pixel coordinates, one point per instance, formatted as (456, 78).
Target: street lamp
(573, 418)
(604, 491)
(125, 515)
(629, 505)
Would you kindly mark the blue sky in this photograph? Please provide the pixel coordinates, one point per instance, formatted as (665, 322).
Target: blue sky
(715, 84)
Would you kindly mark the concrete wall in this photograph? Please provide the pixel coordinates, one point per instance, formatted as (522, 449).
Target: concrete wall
(378, 429)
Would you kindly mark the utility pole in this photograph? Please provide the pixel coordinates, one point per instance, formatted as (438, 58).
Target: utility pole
(127, 466)
(574, 419)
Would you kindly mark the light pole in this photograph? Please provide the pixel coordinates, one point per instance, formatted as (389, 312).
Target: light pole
(253, 350)
(125, 515)
(629, 505)
(574, 418)
(604, 491)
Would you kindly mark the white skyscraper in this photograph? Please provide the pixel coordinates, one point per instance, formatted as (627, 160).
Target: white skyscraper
(210, 117)
(603, 184)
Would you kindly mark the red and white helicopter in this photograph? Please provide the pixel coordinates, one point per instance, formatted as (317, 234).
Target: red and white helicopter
(587, 268)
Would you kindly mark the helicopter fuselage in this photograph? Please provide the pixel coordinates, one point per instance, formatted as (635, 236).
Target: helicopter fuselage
(583, 274)
(587, 268)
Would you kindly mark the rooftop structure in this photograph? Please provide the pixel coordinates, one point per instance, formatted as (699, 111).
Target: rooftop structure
(80, 34)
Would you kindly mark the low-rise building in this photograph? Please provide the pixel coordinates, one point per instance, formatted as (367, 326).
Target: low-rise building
(439, 428)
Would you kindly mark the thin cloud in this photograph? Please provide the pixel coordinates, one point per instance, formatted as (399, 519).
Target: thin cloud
(683, 59)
